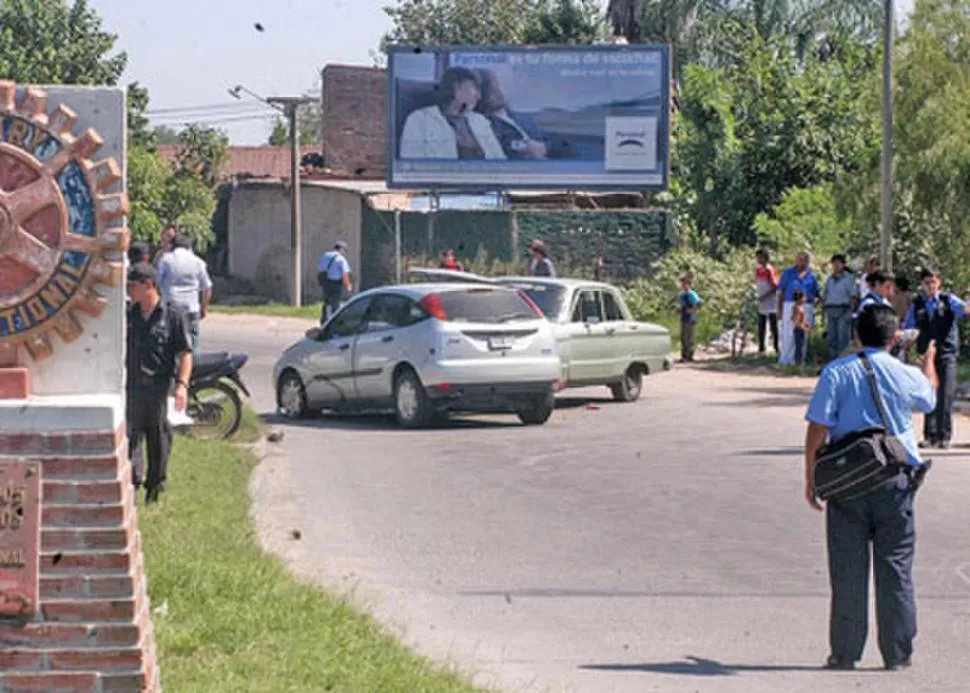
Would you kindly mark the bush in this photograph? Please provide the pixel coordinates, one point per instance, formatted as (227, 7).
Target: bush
(725, 287)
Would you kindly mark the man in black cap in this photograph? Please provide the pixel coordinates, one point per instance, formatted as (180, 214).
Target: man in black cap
(158, 352)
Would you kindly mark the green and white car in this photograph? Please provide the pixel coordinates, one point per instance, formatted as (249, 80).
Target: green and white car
(597, 339)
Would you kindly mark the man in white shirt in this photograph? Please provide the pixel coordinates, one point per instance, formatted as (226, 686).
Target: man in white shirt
(333, 276)
(184, 280)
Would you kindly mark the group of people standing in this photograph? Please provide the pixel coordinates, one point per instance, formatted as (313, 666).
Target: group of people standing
(929, 316)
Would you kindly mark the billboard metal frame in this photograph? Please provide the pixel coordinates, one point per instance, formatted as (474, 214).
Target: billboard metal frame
(663, 150)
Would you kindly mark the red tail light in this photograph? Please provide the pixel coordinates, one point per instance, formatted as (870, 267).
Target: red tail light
(431, 304)
(532, 304)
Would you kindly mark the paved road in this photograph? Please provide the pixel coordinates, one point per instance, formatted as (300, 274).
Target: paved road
(662, 546)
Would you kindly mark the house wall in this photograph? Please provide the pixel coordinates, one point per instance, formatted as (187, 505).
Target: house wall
(259, 235)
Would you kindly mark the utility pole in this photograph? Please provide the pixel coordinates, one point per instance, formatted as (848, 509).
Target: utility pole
(291, 106)
(886, 231)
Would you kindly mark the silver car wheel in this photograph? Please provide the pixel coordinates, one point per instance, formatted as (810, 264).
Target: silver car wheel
(291, 397)
(407, 400)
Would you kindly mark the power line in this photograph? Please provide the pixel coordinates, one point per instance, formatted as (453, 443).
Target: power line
(213, 121)
(191, 109)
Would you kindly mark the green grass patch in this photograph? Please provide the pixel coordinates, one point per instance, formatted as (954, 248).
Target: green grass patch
(310, 311)
(230, 618)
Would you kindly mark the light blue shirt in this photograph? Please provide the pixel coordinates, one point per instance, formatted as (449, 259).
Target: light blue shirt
(839, 291)
(334, 264)
(791, 282)
(959, 310)
(844, 403)
(182, 275)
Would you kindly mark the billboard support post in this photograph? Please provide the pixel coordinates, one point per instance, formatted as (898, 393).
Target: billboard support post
(397, 245)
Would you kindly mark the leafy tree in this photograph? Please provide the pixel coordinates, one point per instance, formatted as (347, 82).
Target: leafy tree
(280, 133)
(932, 139)
(806, 219)
(139, 126)
(747, 134)
(53, 42)
(204, 153)
(485, 22)
(166, 135)
(567, 22)
(148, 175)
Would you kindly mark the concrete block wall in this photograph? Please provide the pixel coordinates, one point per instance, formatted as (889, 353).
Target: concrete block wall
(92, 629)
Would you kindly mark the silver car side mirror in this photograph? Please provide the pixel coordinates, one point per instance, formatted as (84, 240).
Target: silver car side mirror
(313, 333)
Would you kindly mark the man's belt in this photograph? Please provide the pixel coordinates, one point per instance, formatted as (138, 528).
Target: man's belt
(840, 306)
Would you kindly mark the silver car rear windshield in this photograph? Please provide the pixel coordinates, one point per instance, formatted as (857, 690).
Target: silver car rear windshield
(486, 305)
(549, 298)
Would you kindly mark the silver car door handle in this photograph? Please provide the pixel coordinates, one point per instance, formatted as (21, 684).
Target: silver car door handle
(611, 331)
(344, 347)
(634, 327)
(388, 338)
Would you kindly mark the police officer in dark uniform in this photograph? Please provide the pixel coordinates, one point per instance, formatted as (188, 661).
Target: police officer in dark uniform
(159, 353)
(878, 528)
(935, 313)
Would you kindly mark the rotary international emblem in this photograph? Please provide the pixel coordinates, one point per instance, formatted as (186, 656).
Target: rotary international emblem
(60, 231)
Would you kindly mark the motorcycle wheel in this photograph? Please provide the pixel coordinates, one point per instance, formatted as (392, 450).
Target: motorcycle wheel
(216, 411)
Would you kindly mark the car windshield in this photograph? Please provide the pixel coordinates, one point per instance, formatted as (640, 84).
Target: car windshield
(486, 305)
(548, 297)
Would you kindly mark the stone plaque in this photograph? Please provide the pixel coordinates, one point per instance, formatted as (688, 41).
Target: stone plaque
(19, 538)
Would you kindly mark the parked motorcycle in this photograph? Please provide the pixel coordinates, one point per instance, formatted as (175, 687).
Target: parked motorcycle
(214, 405)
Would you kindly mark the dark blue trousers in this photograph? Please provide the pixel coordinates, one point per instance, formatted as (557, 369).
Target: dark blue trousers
(938, 426)
(879, 525)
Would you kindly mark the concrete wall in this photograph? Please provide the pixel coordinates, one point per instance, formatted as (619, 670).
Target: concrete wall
(101, 346)
(355, 120)
(259, 234)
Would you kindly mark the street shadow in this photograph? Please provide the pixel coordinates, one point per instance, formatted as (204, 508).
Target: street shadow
(804, 391)
(762, 402)
(573, 402)
(373, 421)
(778, 452)
(698, 666)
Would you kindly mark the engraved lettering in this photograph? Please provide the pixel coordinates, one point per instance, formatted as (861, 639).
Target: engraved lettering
(65, 283)
(67, 268)
(12, 558)
(53, 296)
(36, 309)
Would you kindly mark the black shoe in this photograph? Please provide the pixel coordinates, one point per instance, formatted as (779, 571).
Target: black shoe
(926, 444)
(899, 666)
(151, 494)
(943, 445)
(836, 663)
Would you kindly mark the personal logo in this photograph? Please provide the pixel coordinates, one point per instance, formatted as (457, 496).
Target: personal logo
(60, 232)
(631, 143)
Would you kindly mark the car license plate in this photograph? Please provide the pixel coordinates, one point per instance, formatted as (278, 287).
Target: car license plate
(500, 343)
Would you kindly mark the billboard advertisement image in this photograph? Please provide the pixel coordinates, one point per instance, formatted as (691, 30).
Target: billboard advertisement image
(565, 117)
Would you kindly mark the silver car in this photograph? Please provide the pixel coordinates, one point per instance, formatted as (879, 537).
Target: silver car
(424, 350)
(597, 338)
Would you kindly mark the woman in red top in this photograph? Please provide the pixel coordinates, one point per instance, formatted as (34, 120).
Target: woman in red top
(449, 262)
(766, 281)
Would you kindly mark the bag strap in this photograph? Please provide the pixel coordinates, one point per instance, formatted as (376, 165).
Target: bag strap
(874, 387)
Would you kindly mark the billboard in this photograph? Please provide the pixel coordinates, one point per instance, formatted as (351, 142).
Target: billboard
(563, 117)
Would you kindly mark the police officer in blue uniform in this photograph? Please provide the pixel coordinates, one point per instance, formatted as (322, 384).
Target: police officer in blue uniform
(881, 521)
(935, 314)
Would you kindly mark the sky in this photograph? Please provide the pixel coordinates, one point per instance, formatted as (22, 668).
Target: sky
(189, 53)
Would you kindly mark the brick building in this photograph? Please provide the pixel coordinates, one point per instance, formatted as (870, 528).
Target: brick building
(355, 121)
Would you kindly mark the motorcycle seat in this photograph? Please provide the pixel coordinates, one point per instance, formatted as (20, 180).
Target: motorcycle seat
(207, 364)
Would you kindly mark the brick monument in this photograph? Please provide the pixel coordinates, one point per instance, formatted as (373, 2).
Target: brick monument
(74, 612)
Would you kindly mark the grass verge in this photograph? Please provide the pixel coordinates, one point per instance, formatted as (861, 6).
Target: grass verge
(277, 310)
(230, 618)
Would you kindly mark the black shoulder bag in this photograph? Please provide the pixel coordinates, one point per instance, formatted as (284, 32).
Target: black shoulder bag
(862, 461)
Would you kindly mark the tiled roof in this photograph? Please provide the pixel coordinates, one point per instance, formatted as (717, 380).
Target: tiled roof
(250, 162)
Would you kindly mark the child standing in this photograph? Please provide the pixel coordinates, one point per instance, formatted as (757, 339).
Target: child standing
(799, 319)
(689, 301)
